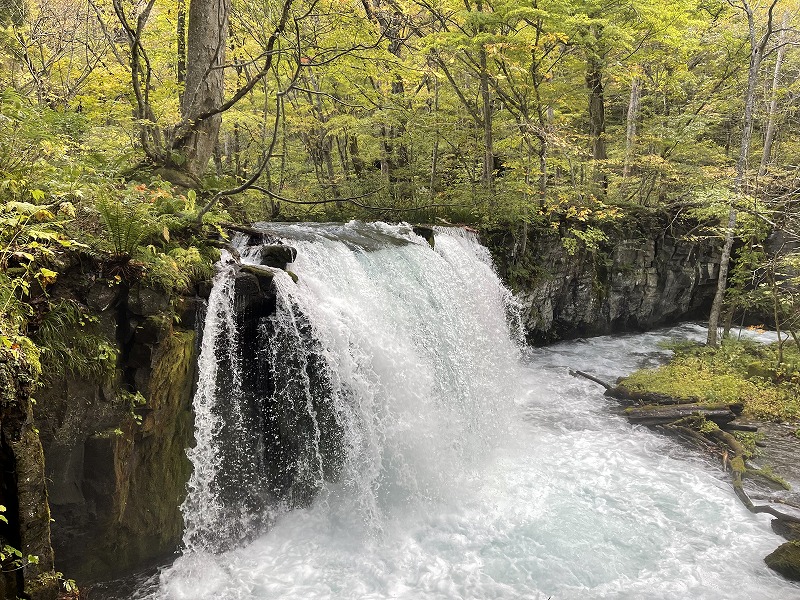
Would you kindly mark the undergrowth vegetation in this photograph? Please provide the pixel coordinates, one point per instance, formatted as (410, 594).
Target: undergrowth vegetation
(61, 206)
(738, 371)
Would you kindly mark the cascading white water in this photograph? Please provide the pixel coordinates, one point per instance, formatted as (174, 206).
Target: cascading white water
(462, 468)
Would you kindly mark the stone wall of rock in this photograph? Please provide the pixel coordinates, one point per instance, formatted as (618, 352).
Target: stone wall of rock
(23, 491)
(115, 451)
(633, 282)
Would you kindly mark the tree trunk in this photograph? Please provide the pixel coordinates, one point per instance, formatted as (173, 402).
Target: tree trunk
(769, 135)
(757, 47)
(630, 130)
(719, 295)
(435, 151)
(181, 35)
(355, 157)
(488, 142)
(597, 119)
(205, 83)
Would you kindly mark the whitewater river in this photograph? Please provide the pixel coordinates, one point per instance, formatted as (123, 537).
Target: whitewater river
(474, 470)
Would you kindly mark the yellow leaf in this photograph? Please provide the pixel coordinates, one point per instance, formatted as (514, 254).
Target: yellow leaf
(46, 276)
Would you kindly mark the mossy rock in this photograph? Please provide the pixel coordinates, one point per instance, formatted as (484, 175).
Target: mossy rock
(786, 560)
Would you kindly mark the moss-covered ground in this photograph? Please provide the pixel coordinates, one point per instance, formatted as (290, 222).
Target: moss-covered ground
(737, 371)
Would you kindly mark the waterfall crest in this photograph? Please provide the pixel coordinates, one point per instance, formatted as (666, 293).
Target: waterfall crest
(385, 371)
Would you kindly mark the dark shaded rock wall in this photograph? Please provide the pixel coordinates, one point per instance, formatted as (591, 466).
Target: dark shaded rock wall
(633, 282)
(22, 487)
(116, 461)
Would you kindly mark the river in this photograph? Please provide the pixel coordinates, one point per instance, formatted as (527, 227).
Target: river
(469, 467)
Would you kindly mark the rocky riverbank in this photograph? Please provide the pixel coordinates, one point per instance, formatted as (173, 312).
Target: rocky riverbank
(716, 409)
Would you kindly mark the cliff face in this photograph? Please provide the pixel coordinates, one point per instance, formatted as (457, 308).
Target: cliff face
(115, 451)
(632, 283)
(23, 491)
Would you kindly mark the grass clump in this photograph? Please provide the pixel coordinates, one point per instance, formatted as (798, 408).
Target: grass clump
(737, 371)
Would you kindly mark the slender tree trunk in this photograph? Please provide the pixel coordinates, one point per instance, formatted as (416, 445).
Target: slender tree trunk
(355, 157)
(435, 151)
(597, 119)
(206, 46)
(488, 141)
(181, 35)
(542, 154)
(630, 130)
(386, 154)
(757, 47)
(341, 148)
(769, 135)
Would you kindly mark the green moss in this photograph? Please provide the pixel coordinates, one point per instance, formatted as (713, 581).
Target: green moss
(708, 426)
(749, 442)
(786, 560)
(738, 466)
(727, 375)
(769, 475)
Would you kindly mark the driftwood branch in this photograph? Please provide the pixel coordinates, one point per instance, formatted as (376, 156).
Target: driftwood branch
(591, 378)
(684, 418)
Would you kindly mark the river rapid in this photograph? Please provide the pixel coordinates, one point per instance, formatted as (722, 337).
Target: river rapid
(475, 468)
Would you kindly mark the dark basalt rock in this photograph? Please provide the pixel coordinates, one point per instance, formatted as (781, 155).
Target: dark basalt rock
(786, 560)
(102, 296)
(116, 469)
(253, 297)
(277, 255)
(632, 283)
(148, 302)
(426, 233)
(23, 484)
(790, 531)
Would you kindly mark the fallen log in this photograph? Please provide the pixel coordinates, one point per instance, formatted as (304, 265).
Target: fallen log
(622, 393)
(740, 427)
(576, 373)
(664, 415)
(738, 469)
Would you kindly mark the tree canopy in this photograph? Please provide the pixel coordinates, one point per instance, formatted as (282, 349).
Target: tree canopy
(551, 112)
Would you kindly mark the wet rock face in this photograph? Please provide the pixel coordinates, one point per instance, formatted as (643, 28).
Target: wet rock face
(277, 255)
(632, 284)
(114, 451)
(23, 486)
(786, 560)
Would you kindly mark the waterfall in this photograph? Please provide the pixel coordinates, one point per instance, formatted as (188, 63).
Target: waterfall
(375, 430)
(385, 370)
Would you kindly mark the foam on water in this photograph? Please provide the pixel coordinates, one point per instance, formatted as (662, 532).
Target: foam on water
(472, 470)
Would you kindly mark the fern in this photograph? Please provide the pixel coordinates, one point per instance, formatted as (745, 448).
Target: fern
(127, 224)
(71, 345)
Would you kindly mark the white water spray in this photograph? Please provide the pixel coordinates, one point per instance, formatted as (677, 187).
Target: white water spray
(459, 468)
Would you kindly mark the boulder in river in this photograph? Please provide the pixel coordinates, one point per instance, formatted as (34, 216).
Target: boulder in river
(786, 560)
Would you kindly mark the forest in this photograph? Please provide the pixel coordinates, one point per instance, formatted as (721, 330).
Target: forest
(137, 136)
(561, 115)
